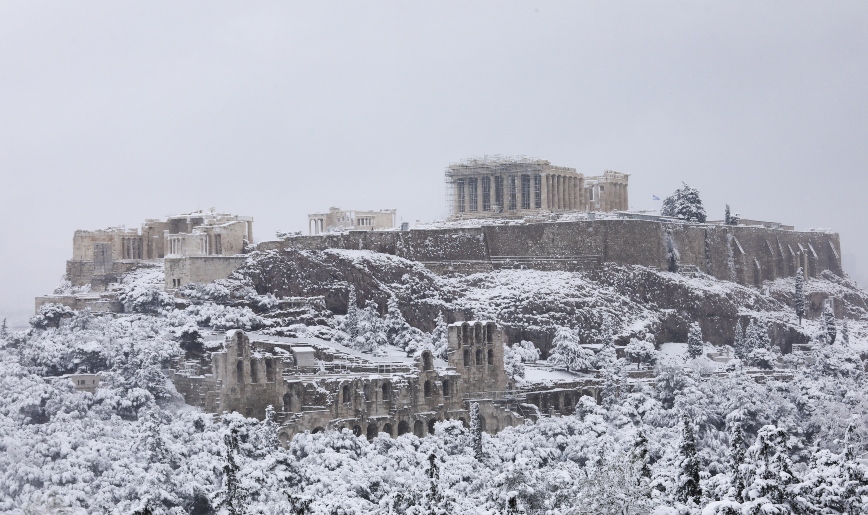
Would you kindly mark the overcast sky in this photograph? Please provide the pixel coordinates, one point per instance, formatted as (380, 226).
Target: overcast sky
(113, 112)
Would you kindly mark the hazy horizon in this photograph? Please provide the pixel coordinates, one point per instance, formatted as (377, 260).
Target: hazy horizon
(114, 113)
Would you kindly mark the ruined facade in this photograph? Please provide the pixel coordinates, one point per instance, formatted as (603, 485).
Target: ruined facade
(339, 220)
(314, 385)
(518, 186)
(197, 247)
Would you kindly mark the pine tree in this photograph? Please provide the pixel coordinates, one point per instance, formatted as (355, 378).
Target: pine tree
(768, 471)
(396, 325)
(606, 332)
(845, 333)
(831, 330)
(727, 219)
(687, 488)
(4, 331)
(475, 431)
(233, 495)
(737, 451)
(799, 301)
(685, 204)
(694, 341)
(739, 345)
(351, 321)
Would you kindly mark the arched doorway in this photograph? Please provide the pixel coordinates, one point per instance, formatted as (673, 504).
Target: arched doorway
(403, 427)
(419, 428)
(287, 402)
(431, 423)
(318, 429)
(357, 430)
(372, 430)
(387, 428)
(428, 388)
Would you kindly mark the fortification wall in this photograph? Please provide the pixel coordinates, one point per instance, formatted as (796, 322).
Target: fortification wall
(744, 254)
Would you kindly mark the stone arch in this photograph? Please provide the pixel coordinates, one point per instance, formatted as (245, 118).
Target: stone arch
(284, 438)
(491, 357)
(489, 333)
(427, 361)
(357, 430)
(287, 401)
(465, 333)
(495, 424)
(466, 357)
(372, 430)
(446, 390)
(431, 423)
(318, 429)
(366, 391)
(347, 395)
(477, 333)
(403, 427)
(428, 388)
(479, 358)
(419, 428)
(239, 372)
(387, 391)
(387, 428)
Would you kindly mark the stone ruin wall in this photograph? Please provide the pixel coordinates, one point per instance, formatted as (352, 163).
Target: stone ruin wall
(743, 254)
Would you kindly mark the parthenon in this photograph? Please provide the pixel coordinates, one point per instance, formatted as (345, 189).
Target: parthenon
(513, 186)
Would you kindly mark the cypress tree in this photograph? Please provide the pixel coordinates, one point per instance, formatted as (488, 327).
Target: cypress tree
(726, 218)
(739, 343)
(640, 453)
(694, 341)
(234, 496)
(799, 301)
(4, 331)
(688, 489)
(845, 333)
(351, 321)
(829, 322)
(475, 431)
(737, 451)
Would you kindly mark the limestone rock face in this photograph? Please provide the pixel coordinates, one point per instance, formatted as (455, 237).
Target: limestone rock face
(532, 304)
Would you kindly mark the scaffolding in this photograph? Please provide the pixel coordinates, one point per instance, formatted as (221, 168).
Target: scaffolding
(458, 174)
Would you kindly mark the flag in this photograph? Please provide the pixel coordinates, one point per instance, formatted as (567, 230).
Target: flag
(655, 197)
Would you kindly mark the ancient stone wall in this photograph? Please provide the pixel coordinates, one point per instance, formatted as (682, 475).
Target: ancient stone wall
(744, 254)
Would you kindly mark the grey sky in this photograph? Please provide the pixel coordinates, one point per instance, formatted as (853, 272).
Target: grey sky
(113, 112)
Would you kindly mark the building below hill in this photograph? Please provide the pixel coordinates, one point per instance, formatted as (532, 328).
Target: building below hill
(315, 385)
(518, 186)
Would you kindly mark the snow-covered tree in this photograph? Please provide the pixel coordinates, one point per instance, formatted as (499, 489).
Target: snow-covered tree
(829, 327)
(143, 297)
(799, 294)
(512, 364)
(687, 489)
(694, 341)
(685, 204)
(641, 453)
(440, 338)
(233, 497)
(845, 333)
(768, 473)
(371, 331)
(642, 352)
(4, 331)
(730, 219)
(528, 352)
(737, 451)
(740, 342)
(568, 352)
(351, 320)
(475, 431)
(396, 326)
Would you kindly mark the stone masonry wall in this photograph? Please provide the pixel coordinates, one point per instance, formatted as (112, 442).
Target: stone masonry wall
(744, 254)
